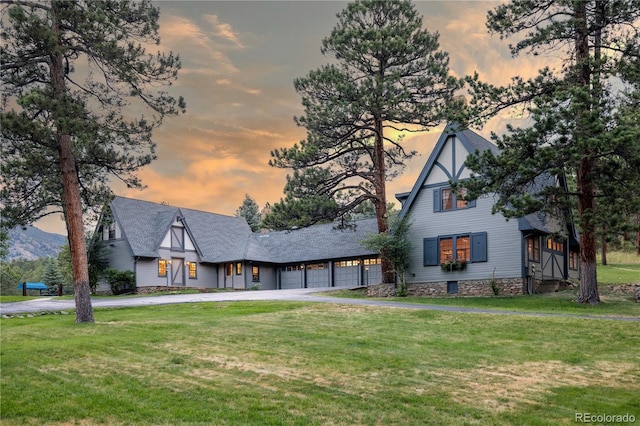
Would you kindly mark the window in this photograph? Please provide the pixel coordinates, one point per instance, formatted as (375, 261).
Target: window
(463, 248)
(445, 199)
(239, 268)
(255, 274)
(461, 203)
(469, 247)
(229, 269)
(452, 287)
(112, 231)
(574, 260)
(193, 270)
(555, 245)
(446, 249)
(368, 262)
(533, 248)
(162, 268)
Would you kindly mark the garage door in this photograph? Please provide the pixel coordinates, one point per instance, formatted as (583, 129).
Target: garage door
(372, 271)
(317, 275)
(291, 276)
(346, 273)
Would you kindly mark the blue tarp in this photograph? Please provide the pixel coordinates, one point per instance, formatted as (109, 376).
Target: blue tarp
(34, 286)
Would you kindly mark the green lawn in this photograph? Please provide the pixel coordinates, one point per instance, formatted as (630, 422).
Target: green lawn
(284, 363)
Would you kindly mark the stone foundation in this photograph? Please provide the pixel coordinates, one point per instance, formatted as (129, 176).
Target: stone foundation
(503, 286)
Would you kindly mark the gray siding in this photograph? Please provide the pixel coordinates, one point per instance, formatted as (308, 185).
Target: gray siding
(504, 247)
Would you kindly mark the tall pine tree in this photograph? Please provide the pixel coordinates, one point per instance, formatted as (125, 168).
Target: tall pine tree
(388, 77)
(584, 115)
(67, 130)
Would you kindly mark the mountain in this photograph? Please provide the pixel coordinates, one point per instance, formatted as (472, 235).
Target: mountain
(32, 243)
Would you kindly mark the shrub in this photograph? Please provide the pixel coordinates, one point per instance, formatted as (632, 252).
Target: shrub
(121, 282)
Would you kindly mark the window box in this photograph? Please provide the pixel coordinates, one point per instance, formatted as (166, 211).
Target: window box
(453, 265)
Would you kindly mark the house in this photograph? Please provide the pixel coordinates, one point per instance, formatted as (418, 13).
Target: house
(169, 247)
(460, 247)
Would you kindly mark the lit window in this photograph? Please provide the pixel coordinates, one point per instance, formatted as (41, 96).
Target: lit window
(463, 248)
(533, 248)
(555, 245)
(461, 203)
(239, 268)
(574, 260)
(447, 199)
(255, 274)
(446, 249)
(162, 268)
(229, 269)
(193, 270)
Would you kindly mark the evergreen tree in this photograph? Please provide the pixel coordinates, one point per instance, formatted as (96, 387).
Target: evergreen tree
(250, 211)
(388, 78)
(52, 275)
(585, 118)
(64, 133)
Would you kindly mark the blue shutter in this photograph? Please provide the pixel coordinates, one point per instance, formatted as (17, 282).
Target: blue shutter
(430, 251)
(436, 200)
(479, 247)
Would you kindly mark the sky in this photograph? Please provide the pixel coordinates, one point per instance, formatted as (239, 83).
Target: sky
(239, 60)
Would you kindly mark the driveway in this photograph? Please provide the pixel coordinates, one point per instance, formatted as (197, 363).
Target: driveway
(297, 295)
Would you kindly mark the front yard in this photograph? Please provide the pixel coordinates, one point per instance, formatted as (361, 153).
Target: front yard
(302, 363)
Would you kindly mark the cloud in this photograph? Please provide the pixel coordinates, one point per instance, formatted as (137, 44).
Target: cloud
(223, 30)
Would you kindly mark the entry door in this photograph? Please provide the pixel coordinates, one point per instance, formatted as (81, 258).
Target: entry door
(177, 271)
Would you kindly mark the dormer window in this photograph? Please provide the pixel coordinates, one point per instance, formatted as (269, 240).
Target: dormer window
(112, 231)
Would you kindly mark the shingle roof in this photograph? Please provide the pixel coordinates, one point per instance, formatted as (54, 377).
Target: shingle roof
(219, 238)
(318, 242)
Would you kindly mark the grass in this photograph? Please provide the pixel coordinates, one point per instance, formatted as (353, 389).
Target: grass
(555, 303)
(9, 298)
(622, 268)
(286, 363)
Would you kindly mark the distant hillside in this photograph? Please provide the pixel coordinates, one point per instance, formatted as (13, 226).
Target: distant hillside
(33, 243)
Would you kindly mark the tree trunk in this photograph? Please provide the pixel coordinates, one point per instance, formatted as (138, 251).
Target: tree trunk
(71, 199)
(603, 248)
(381, 200)
(638, 237)
(586, 187)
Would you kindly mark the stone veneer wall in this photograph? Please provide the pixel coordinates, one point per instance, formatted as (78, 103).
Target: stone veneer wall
(506, 287)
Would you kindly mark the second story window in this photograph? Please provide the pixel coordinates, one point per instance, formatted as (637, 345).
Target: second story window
(112, 231)
(446, 199)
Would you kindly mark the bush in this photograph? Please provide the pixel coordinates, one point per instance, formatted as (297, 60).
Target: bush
(121, 282)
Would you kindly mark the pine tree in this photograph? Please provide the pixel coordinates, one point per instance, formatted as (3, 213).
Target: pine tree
(388, 77)
(584, 114)
(250, 211)
(52, 275)
(65, 132)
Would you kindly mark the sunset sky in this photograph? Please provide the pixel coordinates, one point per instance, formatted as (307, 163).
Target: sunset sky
(239, 60)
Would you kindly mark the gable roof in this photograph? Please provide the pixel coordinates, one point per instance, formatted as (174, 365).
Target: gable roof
(314, 243)
(221, 239)
(217, 238)
(469, 139)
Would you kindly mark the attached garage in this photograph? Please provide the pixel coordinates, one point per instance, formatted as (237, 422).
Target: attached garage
(346, 273)
(317, 275)
(291, 276)
(372, 271)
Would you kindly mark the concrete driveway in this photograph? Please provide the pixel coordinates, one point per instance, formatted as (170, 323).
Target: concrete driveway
(298, 295)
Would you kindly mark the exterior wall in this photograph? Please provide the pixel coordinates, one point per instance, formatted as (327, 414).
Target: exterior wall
(504, 248)
(268, 277)
(503, 286)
